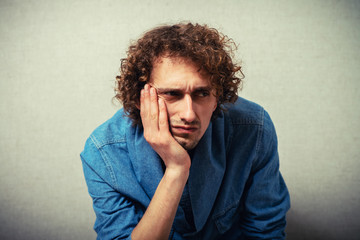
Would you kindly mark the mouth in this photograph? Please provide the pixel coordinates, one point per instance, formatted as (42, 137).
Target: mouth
(183, 129)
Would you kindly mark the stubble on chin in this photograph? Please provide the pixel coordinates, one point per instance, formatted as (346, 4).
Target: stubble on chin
(186, 143)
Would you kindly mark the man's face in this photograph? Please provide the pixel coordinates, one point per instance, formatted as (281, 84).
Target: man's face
(188, 96)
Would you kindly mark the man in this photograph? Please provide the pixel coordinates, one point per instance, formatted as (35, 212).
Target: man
(185, 158)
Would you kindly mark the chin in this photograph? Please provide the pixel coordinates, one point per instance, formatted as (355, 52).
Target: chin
(187, 145)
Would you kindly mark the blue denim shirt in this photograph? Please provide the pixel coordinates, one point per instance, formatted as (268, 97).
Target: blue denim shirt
(235, 187)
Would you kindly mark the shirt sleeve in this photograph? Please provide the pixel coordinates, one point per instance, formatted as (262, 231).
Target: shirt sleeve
(267, 199)
(116, 214)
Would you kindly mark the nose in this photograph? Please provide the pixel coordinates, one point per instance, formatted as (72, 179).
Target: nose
(187, 113)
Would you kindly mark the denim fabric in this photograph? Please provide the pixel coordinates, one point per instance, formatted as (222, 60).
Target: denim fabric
(235, 187)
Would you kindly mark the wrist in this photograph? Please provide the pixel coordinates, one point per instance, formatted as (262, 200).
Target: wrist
(178, 164)
(177, 173)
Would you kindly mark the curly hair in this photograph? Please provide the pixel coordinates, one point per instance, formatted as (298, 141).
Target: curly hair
(210, 50)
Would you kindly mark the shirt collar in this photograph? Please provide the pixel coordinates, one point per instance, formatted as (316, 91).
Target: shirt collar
(206, 173)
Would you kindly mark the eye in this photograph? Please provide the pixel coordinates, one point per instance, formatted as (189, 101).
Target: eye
(202, 93)
(172, 94)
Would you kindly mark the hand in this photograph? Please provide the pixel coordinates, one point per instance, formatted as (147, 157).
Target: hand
(165, 202)
(156, 130)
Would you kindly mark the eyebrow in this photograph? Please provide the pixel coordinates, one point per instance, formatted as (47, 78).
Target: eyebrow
(164, 90)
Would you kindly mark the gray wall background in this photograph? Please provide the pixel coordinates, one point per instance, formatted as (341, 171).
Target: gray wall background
(58, 61)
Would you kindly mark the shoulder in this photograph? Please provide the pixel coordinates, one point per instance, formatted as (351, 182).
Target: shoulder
(245, 112)
(106, 149)
(249, 118)
(112, 131)
(107, 141)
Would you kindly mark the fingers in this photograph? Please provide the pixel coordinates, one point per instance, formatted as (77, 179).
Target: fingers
(144, 107)
(163, 118)
(149, 109)
(154, 109)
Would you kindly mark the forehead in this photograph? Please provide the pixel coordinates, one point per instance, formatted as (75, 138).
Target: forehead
(177, 73)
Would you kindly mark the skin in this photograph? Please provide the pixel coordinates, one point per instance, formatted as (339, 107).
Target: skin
(189, 99)
(176, 107)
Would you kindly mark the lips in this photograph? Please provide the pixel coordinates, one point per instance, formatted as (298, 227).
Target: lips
(183, 129)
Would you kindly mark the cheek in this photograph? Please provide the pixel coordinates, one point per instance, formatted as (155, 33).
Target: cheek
(206, 115)
(211, 106)
(171, 110)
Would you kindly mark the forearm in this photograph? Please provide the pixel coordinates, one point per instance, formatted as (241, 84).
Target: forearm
(159, 216)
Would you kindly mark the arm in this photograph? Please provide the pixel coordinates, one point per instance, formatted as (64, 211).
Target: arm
(159, 216)
(116, 212)
(267, 198)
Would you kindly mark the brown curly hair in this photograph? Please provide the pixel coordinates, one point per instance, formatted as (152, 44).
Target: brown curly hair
(204, 46)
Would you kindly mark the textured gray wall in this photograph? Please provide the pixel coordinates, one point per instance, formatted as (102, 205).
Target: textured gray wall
(58, 60)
